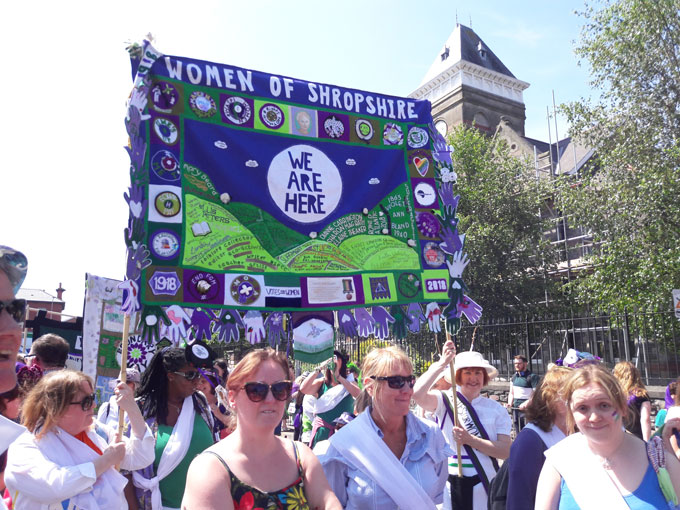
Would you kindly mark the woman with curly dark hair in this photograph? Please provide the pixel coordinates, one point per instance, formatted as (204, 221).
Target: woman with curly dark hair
(335, 392)
(181, 422)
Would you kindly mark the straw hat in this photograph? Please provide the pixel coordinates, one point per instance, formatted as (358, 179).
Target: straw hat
(471, 359)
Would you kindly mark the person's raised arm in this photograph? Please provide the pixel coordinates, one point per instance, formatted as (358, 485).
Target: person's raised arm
(311, 385)
(421, 391)
(350, 386)
(126, 401)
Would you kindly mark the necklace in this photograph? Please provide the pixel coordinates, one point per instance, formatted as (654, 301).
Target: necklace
(175, 406)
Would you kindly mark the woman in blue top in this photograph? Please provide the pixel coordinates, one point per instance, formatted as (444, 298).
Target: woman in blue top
(387, 457)
(602, 466)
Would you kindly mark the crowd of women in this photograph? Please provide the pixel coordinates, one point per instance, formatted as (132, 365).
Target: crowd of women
(198, 438)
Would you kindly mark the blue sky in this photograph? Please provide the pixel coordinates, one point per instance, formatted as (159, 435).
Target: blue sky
(65, 169)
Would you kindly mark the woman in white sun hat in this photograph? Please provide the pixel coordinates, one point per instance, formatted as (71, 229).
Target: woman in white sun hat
(484, 431)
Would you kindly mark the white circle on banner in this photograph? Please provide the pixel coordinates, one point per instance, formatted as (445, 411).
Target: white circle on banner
(304, 183)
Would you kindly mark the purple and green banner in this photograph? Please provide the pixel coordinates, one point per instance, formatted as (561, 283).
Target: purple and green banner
(252, 190)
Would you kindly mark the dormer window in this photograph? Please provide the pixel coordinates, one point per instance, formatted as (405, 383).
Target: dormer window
(445, 54)
(481, 50)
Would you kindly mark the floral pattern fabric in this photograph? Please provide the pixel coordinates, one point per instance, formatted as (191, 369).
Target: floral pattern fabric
(249, 498)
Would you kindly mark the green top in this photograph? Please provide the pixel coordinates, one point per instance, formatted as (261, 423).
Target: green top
(345, 405)
(172, 486)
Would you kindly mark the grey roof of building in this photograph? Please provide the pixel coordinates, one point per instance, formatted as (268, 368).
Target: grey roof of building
(462, 45)
(37, 295)
(469, 43)
(540, 146)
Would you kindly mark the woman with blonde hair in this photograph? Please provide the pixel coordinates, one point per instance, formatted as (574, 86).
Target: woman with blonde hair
(387, 457)
(62, 460)
(639, 420)
(602, 466)
(253, 468)
(546, 417)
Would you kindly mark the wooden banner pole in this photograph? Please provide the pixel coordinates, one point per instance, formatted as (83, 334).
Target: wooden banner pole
(459, 459)
(123, 373)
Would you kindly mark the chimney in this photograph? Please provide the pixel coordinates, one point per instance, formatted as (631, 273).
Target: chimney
(60, 291)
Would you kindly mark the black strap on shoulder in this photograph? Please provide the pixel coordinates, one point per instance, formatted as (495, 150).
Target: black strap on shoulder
(219, 457)
(468, 449)
(297, 458)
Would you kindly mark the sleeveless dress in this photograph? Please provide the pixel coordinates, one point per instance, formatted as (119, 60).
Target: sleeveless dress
(647, 496)
(289, 498)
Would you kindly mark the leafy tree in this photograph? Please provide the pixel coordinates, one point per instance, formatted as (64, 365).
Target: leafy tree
(499, 213)
(631, 202)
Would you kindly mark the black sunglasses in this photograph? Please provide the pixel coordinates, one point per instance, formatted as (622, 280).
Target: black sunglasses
(397, 382)
(189, 376)
(87, 402)
(257, 391)
(16, 308)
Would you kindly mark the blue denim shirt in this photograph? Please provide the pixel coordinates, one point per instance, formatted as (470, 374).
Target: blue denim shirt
(425, 458)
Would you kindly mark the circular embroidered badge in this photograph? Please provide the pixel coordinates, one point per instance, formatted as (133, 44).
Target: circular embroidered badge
(237, 110)
(408, 284)
(393, 134)
(272, 116)
(204, 286)
(245, 290)
(164, 96)
(425, 194)
(364, 130)
(433, 255)
(165, 165)
(202, 104)
(333, 127)
(165, 244)
(165, 130)
(427, 224)
(417, 137)
(167, 204)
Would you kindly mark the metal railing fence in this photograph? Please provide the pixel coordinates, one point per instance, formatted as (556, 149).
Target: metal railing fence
(649, 338)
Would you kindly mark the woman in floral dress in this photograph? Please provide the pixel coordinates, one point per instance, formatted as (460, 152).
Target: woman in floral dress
(252, 468)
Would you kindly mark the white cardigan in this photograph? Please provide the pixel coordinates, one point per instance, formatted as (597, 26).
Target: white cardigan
(43, 474)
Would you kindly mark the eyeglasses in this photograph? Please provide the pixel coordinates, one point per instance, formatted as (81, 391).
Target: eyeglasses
(189, 376)
(397, 382)
(257, 391)
(87, 403)
(16, 308)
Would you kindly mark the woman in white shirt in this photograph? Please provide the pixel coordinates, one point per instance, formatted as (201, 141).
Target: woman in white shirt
(62, 461)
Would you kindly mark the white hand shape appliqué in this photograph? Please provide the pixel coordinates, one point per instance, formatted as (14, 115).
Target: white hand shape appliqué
(254, 326)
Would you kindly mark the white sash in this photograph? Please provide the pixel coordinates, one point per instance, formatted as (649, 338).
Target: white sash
(330, 399)
(549, 438)
(64, 449)
(172, 455)
(588, 482)
(366, 451)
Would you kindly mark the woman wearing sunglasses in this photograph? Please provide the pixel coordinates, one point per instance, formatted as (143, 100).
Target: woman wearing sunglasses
(63, 460)
(484, 425)
(182, 425)
(387, 457)
(253, 468)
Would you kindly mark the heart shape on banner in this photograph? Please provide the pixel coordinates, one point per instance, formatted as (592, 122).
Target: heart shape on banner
(175, 320)
(136, 209)
(422, 165)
